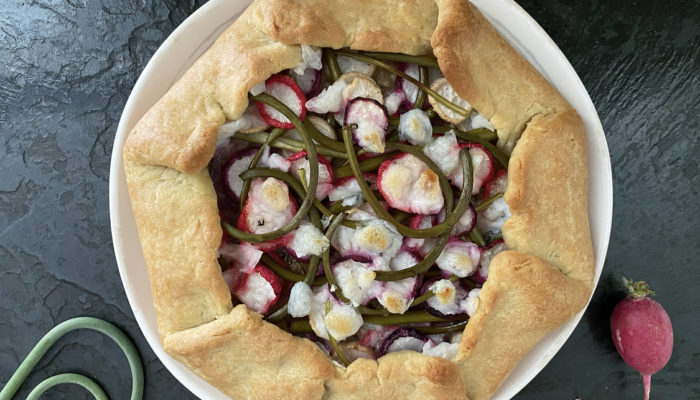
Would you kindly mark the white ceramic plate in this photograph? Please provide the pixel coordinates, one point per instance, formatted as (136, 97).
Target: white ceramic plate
(199, 31)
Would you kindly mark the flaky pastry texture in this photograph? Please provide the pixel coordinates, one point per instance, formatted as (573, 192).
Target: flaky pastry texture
(544, 278)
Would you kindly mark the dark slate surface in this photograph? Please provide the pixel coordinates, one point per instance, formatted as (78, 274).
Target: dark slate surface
(66, 70)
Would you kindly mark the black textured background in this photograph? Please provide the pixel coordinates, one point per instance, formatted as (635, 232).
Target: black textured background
(66, 70)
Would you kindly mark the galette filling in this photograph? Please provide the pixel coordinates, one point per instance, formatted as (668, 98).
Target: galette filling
(362, 203)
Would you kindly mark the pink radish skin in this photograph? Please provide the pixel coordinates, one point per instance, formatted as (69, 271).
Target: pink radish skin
(642, 332)
(285, 89)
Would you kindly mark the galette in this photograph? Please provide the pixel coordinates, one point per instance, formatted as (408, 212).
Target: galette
(360, 200)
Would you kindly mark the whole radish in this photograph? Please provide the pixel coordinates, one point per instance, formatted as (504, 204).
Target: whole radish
(642, 332)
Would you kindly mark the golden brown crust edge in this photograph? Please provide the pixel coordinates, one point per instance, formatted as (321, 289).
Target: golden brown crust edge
(179, 132)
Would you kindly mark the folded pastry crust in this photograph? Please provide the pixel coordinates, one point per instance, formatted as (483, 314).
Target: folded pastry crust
(545, 278)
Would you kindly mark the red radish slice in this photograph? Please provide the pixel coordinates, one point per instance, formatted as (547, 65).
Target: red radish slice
(373, 239)
(268, 207)
(371, 120)
(409, 89)
(227, 205)
(349, 64)
(249, 122)
(256, 123)
(402, 339)
(415, 127)
(285, 89)
(487, 254)
(354, 350)
(475, 121)
(497, 184)
(358, 85)
(482, 164)
(444, 151)
(418, 245)
(393, 101)
(325, 172)
(356, 280)
(444, 89)
(491, 219)
(237, 164)
(459, 258)
(466, 222)
(309, 81)
(373, 335)
(449, 301)
(407, 184)
(396, 296)
(243, 257)
(258, 290)
(348, 190)
(329, 100)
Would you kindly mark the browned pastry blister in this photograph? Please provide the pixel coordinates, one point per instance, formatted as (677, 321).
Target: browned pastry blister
(543, 280)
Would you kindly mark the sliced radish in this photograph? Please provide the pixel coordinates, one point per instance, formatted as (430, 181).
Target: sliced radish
(407, 184)
(309, 81)
(419, 245)
(274, 160)
(237, 164)
(325, 172)
(402, 339)
(415, 127)
(444, 151)
(258, 290)
(341, 321)
(358, 85)
(445, 350)
(393, 101)
(396, 296)
(475, 121)
(487, 254)
(444, 89)
(311, 58)
(448, 301)
(268, 207)
(491, 219)
(348, 190)
(459, 258)
(285, 89)
(373, 239)
(349, 64)
(348, 86)
(318, 123)
(371, 120)
(482, 163)
(373, 335)
(249, 122)
(497, 184)
(466, 222)
(329, 100)
(409, 89)
(356, 280)
(243, 257)
(352, 350)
